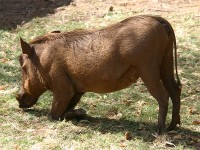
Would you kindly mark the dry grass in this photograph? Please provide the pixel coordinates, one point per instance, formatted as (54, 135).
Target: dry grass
(131, 111)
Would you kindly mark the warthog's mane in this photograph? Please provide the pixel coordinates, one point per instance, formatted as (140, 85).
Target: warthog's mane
(79, 33)
(59, 36)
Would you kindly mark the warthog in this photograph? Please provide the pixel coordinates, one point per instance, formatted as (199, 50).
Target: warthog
(72, 63)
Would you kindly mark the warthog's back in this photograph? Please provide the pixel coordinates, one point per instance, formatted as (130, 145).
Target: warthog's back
(106, 60)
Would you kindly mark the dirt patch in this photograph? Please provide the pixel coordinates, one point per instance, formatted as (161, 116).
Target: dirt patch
(89, 10)
(96, 7)
(18, 12)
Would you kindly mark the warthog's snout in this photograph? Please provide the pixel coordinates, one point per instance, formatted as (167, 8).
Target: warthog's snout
(25, 100)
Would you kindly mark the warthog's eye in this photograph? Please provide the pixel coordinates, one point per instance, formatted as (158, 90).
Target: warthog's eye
(18, 97)
(24, 69)
(21, 60)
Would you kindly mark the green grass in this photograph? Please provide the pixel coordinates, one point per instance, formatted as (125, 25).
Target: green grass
(131, 110)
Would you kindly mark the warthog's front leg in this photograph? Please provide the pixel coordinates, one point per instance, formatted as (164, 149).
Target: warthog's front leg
(63, 92)
(59, 105)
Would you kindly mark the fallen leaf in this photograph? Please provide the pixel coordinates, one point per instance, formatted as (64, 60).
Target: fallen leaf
(137, 112)
(196, 122)
(169, 144)
(128, 136)
(93, 105)
(83, 123)
(16, 147)
(3, 60)
(178, 137)
(105, 96)
(172, 132)
(192, 110)
(122, 144)
(114, 114)
(3, 87)
(127, 102)
(141, 103)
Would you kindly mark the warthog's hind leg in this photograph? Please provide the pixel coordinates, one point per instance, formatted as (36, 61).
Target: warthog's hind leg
(151, 79)
(174, 92)
(168, 80)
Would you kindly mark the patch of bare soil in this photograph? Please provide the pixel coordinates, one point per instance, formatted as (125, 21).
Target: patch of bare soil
(87, 9)
(17, 12)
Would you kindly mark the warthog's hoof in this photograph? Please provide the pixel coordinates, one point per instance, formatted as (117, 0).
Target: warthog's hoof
(161, 130)
(76, 113)
(173, 124)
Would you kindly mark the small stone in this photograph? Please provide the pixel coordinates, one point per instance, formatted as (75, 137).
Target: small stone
(111, 8)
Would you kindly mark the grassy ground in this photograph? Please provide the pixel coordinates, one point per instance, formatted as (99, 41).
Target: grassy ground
(114, 117)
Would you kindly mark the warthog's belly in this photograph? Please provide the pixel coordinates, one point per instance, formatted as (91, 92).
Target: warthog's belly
(112, 82)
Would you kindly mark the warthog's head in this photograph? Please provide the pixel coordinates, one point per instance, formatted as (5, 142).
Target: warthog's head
(32, 84)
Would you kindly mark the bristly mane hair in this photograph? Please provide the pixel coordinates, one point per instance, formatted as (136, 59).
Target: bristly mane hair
(55, 36)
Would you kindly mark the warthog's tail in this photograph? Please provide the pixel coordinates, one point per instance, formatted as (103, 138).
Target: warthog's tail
(171, 33)
(175, 59)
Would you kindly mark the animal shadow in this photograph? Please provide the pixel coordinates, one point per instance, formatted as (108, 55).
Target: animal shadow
(38, 112)
(146, 131)
(140, 130)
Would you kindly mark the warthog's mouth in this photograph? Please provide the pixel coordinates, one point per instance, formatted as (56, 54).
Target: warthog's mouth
(25, 101)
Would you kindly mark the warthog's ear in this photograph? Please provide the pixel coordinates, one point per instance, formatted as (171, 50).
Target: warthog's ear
(26, 48)
(55, 31)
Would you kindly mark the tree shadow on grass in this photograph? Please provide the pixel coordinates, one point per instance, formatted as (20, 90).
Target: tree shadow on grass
(17, 12)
